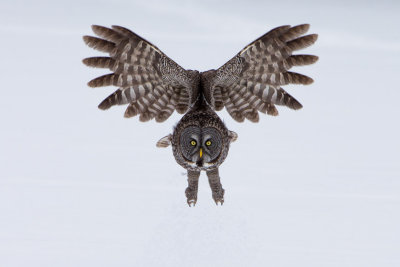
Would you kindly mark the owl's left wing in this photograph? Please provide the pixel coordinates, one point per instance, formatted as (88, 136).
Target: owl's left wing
(150, 82)
(251, 81)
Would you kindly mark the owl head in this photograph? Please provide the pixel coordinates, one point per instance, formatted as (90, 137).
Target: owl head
(199, 147)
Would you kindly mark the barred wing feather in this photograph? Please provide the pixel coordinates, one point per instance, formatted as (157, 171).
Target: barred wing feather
(151, 83)
(251, 81)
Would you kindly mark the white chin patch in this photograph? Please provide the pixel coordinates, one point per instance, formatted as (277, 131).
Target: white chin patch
(193, 164)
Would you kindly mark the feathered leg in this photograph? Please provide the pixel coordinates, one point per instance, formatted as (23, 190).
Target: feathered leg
(216, 186)
(193, 185)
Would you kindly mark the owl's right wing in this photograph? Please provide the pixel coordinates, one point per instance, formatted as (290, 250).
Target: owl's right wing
(251, 81)
(150, 82)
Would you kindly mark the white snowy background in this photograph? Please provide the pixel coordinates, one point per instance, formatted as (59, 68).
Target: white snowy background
(315, 187)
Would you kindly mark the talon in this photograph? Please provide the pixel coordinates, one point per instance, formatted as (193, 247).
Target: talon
(191, 196)
(218, 196)
(191, 201)
(220, 201)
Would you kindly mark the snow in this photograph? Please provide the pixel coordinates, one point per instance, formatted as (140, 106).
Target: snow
(315, 187)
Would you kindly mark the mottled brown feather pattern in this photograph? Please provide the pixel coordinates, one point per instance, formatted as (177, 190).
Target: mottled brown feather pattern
(147, 79)
(256, 74)
(154, 86)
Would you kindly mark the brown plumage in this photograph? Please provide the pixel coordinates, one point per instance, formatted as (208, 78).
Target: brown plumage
(154, 86)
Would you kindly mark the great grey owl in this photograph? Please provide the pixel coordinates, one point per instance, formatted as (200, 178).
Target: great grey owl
(154, 86)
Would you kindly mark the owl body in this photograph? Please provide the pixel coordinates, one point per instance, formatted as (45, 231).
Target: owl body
(154, 86)
(200, 128)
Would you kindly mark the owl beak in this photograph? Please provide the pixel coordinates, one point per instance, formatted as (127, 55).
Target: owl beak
(201, 152)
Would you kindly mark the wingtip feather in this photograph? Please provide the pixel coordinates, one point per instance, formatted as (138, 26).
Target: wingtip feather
(104, 105)
(86, 39)
(309, 81)
(97, 28)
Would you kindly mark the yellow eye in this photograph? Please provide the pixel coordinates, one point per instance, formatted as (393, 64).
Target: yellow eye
(193, 143)
(208, 143)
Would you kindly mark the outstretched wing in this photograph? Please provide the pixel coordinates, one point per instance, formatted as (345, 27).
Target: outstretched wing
(151, 83)
(251, 81)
